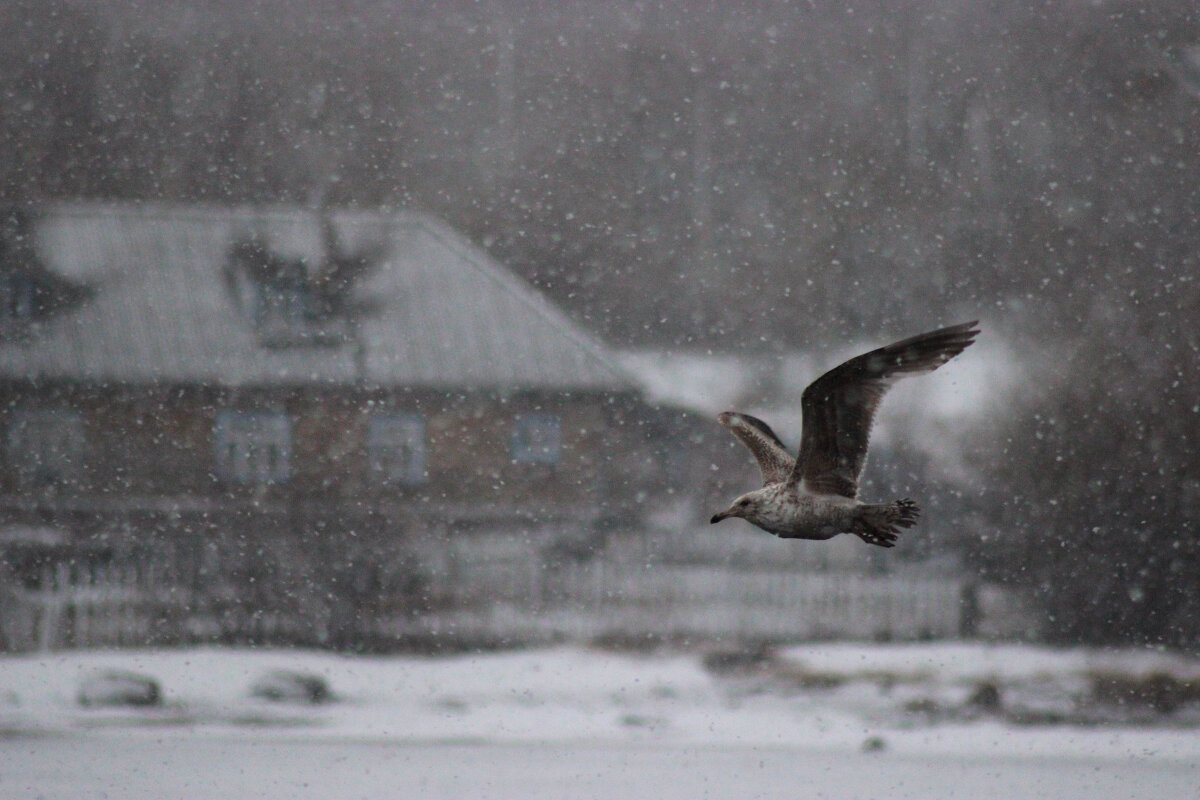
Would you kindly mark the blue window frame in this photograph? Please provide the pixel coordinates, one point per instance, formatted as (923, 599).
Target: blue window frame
(253, 447)
(536, 439)
(396, 449)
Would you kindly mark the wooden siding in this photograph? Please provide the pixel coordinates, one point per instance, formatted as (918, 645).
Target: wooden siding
(159, 444)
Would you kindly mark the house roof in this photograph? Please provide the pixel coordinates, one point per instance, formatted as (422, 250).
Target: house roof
(431, 310)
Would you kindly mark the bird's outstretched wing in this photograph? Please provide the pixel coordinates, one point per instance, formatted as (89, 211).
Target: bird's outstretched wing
(839, 407)
(773, 459)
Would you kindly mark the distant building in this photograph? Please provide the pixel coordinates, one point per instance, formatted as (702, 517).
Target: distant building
(271, 407)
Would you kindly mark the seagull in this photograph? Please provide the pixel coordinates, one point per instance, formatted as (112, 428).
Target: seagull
(815, 496)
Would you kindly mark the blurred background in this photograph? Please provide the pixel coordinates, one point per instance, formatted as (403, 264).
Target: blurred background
(386, 324)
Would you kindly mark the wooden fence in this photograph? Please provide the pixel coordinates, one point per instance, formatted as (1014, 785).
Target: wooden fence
(504, 600)
(104, 605)
(603, 599)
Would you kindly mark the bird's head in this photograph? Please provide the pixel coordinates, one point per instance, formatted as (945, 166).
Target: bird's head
(745, 507)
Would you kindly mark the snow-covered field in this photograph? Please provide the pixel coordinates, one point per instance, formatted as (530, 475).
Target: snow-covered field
(836, 720)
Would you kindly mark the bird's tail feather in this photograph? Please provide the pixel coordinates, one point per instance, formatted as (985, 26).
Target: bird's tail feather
(880, 523)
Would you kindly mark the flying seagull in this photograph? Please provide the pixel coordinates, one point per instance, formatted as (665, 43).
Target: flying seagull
(815, 496)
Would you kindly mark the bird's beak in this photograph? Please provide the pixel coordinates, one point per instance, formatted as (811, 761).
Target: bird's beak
(717, 517)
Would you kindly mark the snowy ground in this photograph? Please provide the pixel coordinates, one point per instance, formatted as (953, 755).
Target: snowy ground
(839, 720)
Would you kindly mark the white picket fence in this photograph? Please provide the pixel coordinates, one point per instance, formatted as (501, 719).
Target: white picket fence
(601, 599)
(518, 599)
(102, 606)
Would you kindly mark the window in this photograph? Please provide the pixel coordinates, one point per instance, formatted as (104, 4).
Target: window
(284, 307)
(396, 448)
(16, 296)
(253, 446)
(536, 439)
(17, 293)
(45, 446)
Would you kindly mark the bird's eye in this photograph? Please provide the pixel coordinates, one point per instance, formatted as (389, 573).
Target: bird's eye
(743, 503)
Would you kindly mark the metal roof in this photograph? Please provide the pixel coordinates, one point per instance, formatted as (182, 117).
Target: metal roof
(432, 311)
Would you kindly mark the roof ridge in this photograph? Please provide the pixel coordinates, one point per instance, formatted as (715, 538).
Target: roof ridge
(518, 288)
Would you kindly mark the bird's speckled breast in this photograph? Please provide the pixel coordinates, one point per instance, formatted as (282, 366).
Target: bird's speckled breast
(792, 513)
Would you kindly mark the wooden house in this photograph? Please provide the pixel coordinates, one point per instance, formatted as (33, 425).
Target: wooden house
(279, 410)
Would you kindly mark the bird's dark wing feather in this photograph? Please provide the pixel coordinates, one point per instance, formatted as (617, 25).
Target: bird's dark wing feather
(839, 407)
(773, 459)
